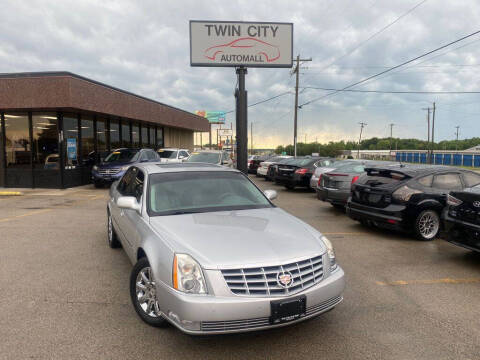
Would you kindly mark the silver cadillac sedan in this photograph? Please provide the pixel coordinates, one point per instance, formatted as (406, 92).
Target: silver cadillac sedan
(212, 254)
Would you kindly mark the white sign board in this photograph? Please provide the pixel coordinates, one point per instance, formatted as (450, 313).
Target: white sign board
(225, 132)
(250, 44)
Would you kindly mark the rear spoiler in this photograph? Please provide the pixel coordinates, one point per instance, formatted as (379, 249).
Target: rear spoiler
(386, 172)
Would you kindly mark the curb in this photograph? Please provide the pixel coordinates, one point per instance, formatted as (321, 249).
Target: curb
(10, 193)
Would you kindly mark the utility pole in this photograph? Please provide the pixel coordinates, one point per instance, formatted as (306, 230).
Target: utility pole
(296, 70)
(433, 132)
(428, 130)
(251, 138)
(391, 135)
(456, 143)
(362, 125)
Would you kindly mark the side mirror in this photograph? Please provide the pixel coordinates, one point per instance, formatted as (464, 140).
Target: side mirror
(129, 203)
(270, 194)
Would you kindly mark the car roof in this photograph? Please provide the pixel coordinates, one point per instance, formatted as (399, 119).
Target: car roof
(210, 151)
(414, 170)
(158, 167)
(173, 149)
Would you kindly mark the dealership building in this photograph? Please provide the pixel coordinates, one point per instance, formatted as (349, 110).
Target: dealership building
(56, 125)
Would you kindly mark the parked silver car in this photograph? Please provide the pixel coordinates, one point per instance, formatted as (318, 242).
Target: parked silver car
(212, 254)
(217, 157)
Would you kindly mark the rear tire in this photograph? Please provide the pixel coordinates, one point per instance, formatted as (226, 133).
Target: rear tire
(144, 295)
(290, 187)
(98, 184)
(427, 225)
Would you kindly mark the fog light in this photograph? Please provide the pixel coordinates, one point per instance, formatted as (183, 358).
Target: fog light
(185, 324)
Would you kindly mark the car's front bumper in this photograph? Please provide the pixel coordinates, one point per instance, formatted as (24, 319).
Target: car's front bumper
(210, 314)
(101, 178)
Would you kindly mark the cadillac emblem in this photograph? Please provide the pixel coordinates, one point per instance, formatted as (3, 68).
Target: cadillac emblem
(285, 279)
(476, 203)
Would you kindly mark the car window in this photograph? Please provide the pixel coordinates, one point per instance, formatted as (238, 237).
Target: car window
(471, 179)
(136, 188)
(207, 157)
(426, 180)
(167, 154)
(174, 193)
(447, 182)
(126, 180)
(184, 154)
(144, 156)
(152, 155)
(123, 155)
(225, 157)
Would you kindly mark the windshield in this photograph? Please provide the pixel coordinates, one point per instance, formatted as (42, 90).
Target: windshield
(124, 155)
(203, 191)
(206, 157)
(168, 154)
(350, 168)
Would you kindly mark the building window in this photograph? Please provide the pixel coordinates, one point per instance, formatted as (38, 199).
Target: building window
(101, 137)
(125, 133)
(159, 138)
(17, 140)
(135, 136)
(45, 141)
(151, 132)
(144, 135)
(88, 140)
(115, 134)
(70, 134)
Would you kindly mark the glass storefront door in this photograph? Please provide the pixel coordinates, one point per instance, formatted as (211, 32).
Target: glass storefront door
(18, 153)
(45, 154)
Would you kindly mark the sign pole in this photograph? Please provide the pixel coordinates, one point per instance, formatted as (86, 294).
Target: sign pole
(242, 121)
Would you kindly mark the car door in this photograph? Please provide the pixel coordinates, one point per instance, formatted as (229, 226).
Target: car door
(132, 218)
(116, 212)
(226, 161)
(183, 155)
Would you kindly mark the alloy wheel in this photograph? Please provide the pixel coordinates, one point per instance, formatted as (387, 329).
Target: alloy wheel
(146, 293)
(428, 225)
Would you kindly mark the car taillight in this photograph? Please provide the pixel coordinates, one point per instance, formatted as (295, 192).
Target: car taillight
(405, 193)
(354, 179)
(301, 171)
(453, 201)
(319, 180)
(249, 162)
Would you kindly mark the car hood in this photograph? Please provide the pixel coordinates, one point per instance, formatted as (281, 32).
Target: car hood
(114, 164)
(241, 238)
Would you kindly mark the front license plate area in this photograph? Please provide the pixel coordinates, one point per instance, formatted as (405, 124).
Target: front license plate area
(288, 310)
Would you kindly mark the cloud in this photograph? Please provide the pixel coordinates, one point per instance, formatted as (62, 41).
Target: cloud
(143, 47)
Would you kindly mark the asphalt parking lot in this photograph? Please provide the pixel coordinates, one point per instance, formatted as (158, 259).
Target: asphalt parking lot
(65, 293)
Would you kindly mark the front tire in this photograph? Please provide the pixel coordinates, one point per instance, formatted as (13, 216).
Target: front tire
(290, 187)
(427, 225)
(144, 294)
(111, 234)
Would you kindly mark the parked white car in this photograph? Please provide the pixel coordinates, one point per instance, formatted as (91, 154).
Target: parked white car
(173, 155)
(263, 168)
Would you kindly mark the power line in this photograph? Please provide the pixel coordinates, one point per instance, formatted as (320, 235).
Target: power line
(391, 91)
(393, 68)
(374, 35)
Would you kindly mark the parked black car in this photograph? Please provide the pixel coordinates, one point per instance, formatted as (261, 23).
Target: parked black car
(297, 172)
(273, 167)
(254, 162)
(406, 197)
(117, 163)
(462, 216)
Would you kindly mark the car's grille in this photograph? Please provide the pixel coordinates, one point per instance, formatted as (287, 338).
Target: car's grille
(263, 281)
(108, 171)
(232, 325)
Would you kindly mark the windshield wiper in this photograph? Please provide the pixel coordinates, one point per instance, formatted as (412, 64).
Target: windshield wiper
(182, 212)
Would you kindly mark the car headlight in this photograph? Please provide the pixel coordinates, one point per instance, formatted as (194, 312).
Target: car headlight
(330, 253)
(124, 168)
(95, 167)
(188, 275)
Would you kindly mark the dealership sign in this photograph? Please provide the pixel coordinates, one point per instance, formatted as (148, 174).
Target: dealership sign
(213, 117)
(225, 132)
(250, 44)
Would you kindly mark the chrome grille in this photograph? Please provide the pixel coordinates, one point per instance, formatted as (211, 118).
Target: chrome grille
(237, 325)
(262, 281)
(108, 171)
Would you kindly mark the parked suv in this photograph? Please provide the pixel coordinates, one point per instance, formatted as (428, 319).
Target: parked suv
(117, 162)
(406, 197)
(173, 155)
(462, 216)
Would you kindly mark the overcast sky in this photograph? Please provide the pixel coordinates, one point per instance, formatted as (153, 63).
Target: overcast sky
(143, 47)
